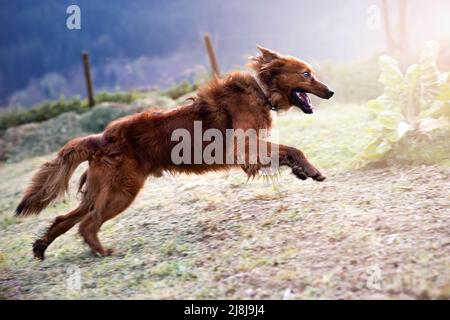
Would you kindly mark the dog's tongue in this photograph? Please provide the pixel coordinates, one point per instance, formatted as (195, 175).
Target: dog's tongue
(305, 99)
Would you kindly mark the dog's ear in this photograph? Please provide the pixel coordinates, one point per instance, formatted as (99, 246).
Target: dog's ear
(269, 55)
(264, 59)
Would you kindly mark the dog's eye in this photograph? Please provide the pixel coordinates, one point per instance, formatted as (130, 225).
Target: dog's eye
(306, 75)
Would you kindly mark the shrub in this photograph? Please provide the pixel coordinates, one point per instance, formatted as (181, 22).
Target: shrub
(179, 89)
(41, 112)
(99, 117)
(52, 109)
(119, 97)
(40, 138)
(413, 111)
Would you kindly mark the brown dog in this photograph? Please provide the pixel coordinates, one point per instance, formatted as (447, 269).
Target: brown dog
(137, 146)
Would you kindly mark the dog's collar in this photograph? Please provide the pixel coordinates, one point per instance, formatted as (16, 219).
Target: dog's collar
(269, 103)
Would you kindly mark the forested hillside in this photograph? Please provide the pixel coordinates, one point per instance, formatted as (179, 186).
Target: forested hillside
(145, 43)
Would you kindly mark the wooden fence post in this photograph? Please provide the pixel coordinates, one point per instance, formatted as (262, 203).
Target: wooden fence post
(387, 27)
(211, 54)
(87, 76)
(403, 29)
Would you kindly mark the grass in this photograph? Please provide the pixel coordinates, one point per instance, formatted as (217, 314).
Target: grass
(330, 138)
(218, 236)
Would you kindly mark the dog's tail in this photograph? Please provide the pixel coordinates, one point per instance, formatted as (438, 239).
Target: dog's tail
(52, 179)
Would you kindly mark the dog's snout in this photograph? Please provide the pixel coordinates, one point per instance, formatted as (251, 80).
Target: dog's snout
(330, 94)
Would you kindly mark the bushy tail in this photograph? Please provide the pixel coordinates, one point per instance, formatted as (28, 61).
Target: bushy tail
(52, 179)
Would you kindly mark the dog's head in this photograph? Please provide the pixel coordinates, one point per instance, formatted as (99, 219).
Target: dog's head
(288, 80)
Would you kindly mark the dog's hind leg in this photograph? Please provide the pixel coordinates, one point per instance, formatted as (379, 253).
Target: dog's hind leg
(59, 226)
(110, 206)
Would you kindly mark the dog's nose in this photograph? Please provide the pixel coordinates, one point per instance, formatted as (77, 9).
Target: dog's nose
(330, 94)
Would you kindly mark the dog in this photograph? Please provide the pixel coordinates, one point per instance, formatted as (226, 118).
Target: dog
(135, 147)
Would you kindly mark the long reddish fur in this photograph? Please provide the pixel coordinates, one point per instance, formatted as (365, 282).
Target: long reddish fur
(137, 146)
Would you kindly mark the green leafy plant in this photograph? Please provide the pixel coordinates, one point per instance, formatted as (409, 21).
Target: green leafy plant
(413, 105)
(51, 109)
(179, 89)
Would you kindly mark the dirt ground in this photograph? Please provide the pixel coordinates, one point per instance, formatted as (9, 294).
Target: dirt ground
(373, 234)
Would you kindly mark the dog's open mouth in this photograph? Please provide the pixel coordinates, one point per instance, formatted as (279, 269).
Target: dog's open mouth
(301, 100)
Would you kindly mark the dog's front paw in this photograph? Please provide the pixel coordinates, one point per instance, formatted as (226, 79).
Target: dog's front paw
(298, 172)
(319, 177)
(308, 172)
